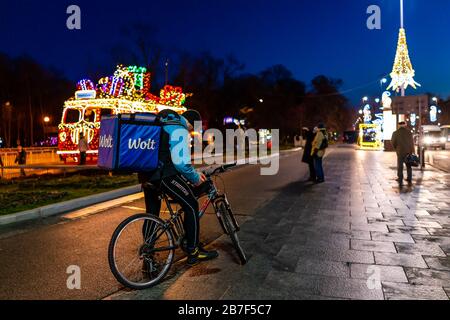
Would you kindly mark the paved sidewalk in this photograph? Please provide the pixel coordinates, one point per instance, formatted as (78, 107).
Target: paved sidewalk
(335, 240)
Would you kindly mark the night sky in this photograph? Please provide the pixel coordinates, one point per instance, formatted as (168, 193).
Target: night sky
(309, 37)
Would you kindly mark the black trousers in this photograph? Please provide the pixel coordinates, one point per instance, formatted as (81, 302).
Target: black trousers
(312, 170)
(82, 158)
(177, 189)
(400, 163)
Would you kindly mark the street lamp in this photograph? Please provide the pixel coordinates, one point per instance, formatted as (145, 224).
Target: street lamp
(365, 99)
(46, 119)
(8, 107)
(261, 100)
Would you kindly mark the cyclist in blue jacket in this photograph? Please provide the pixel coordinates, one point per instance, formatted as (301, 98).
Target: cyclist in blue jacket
(175, 177)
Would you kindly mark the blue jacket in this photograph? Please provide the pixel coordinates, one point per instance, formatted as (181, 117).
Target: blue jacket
(180, 148)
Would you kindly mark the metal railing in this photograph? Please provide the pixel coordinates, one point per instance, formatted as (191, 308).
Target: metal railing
(8, 172)
(39, 160)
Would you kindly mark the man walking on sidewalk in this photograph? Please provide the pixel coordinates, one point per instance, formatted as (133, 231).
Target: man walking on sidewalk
(403, 143)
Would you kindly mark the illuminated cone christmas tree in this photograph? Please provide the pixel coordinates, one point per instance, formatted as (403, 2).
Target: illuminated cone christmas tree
(403, 73)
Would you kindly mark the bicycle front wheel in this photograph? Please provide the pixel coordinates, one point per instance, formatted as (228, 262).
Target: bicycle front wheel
(141, 251)
(231, 231)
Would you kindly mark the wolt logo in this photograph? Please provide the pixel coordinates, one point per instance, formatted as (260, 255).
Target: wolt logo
(106, 141)
(139, 144)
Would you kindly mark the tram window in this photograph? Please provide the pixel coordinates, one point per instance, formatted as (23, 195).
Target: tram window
(105, 112)
(89, 115)
(370, 135)
(72, 116)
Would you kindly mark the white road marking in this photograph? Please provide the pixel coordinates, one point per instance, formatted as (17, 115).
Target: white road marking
(103, 206)
(134, 208)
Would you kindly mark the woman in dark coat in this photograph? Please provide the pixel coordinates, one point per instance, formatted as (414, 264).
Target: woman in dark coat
(308, 135)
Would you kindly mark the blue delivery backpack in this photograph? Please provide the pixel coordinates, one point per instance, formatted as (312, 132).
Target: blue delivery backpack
(129, 142)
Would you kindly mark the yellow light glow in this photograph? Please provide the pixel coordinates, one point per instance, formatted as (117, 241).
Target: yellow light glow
(402, 73)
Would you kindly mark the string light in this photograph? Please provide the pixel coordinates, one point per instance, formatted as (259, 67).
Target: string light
(127, 91)
(402, 73)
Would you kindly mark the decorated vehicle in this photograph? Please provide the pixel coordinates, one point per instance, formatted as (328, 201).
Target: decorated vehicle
(370, 136)
(127, 91)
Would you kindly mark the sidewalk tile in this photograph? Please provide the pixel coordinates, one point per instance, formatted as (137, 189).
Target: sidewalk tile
(422, 248)
(409, 230)
(375, 246)
(370, 227)
(290, 250)
(401, 291)
(324, 286)
(400, 259)
(445, 232)
(386, 273)
(422, 224)
(392, 237)
(428, 277)
(443, 242)
(438, 263)
(323, 267)
(387, 221)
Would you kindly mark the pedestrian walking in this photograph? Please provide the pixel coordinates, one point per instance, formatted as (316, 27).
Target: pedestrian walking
(319, 145)
(403, 143)
(83, 146)
(21, 159)
(308, 136)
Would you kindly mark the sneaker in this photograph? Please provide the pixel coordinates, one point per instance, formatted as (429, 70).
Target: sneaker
(199, 255)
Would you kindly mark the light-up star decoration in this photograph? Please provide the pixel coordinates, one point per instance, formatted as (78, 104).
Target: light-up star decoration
(403, 73)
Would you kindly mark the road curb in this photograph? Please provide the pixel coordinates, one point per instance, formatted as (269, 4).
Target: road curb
(66, 206)
(79, 203)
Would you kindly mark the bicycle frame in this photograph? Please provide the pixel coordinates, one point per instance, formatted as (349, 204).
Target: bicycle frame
(176, 224)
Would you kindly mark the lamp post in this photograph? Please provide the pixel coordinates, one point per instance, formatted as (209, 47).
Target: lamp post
(167, 71)
(45, 121)
(8, 107)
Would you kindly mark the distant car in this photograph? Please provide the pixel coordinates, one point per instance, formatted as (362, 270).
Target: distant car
(350, 137)
(433, 138)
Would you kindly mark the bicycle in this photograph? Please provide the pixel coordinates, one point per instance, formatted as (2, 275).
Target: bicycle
(157, 250)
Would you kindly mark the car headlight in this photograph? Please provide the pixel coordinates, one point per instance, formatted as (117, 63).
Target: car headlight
(443, 140)
(428, 140)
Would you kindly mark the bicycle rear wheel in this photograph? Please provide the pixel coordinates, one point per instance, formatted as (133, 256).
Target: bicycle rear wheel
(231, 231)
(141, 251)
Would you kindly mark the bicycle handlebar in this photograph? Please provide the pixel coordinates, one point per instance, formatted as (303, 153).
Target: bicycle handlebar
(221, 169)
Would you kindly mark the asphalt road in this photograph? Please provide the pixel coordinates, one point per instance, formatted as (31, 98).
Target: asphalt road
(439, 158)
(34, 257)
